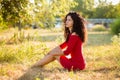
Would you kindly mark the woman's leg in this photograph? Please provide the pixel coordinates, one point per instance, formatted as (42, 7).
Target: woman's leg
(51, 56)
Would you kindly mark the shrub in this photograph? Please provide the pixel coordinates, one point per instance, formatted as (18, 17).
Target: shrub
(98, 28)
(116, 40)
(115, 27)
(25, 53)
(116, 44)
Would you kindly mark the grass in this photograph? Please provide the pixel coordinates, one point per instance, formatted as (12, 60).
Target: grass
(99, 38)
(16, 57)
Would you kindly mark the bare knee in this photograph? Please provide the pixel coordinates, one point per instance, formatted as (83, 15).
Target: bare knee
(50, 54)
(56, 52)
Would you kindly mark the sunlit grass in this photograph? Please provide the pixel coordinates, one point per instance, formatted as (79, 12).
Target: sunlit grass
(102, 57)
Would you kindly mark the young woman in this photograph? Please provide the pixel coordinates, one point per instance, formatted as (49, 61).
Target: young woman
(75, 35)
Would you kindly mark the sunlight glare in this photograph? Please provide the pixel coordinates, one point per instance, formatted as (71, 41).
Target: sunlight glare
(32, 1)
(114, 2)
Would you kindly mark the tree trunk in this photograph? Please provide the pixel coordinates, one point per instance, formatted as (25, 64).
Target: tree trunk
(19, 26)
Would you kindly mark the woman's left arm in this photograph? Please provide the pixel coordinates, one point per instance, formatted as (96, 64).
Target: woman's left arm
(71, 44)
(63, 45)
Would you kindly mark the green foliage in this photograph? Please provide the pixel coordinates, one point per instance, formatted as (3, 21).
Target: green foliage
(98, 28)
(89, 9)
(46, 11)
(6, 55)
(111, 11)
(15, 11)
(116, 44)
(117, 11)
(25, 52)
(107, 10)
(85, 7)
(115, 27)
(42, 12)
(2, 24)
(116, 40)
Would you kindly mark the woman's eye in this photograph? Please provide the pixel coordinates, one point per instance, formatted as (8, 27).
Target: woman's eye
(69, 20)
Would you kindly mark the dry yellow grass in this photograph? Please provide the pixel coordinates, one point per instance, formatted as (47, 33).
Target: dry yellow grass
(101, 57)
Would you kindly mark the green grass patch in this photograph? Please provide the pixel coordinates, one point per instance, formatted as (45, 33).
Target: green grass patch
(99, 38)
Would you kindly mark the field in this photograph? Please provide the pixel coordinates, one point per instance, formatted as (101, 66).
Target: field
(20, 50)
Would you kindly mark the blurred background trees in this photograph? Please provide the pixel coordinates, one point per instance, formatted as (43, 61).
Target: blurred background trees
(37, 12)
(46, 11)
(14, 12)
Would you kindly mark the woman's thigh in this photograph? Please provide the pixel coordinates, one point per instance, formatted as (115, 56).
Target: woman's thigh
(66, 63)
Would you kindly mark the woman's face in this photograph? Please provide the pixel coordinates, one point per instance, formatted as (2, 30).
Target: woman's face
(69, 22)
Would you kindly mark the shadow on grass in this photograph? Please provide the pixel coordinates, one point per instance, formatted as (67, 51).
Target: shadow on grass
(107, 69)
(32, 74)
(38, 74)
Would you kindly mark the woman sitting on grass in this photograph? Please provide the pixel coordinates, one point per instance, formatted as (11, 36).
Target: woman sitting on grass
(75, 35)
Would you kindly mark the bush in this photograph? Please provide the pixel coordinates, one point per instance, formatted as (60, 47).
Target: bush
(26, 52)
(98, 28)
(116, 44)
(115, 27)
(116, 39)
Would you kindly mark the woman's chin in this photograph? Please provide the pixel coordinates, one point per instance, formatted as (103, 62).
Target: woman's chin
(67, 26)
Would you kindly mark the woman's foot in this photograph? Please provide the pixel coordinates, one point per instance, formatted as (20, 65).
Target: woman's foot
(36, 66)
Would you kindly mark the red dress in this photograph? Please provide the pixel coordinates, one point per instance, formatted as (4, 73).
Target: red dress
(74, 48)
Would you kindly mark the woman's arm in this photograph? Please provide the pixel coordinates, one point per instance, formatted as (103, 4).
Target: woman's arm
(63, 45)
(71, 44)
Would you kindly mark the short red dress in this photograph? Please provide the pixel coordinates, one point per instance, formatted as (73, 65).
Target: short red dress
(73, 47)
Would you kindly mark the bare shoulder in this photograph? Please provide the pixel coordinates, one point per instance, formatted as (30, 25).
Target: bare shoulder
(74, 33)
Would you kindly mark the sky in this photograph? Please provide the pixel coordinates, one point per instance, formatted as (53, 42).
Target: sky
(113, 1)
(32, 1)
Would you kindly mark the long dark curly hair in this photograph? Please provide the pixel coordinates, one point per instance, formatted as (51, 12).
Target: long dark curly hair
(78, 26)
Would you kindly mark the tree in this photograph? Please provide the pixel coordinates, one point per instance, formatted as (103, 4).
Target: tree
(106, 10)
(85, 7)
(14, 11)
(115, 27)
(117, 11)
(41, 12)
(46, 11)
(102, 9)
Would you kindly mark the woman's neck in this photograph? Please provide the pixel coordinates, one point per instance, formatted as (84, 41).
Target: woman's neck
(70, 29)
